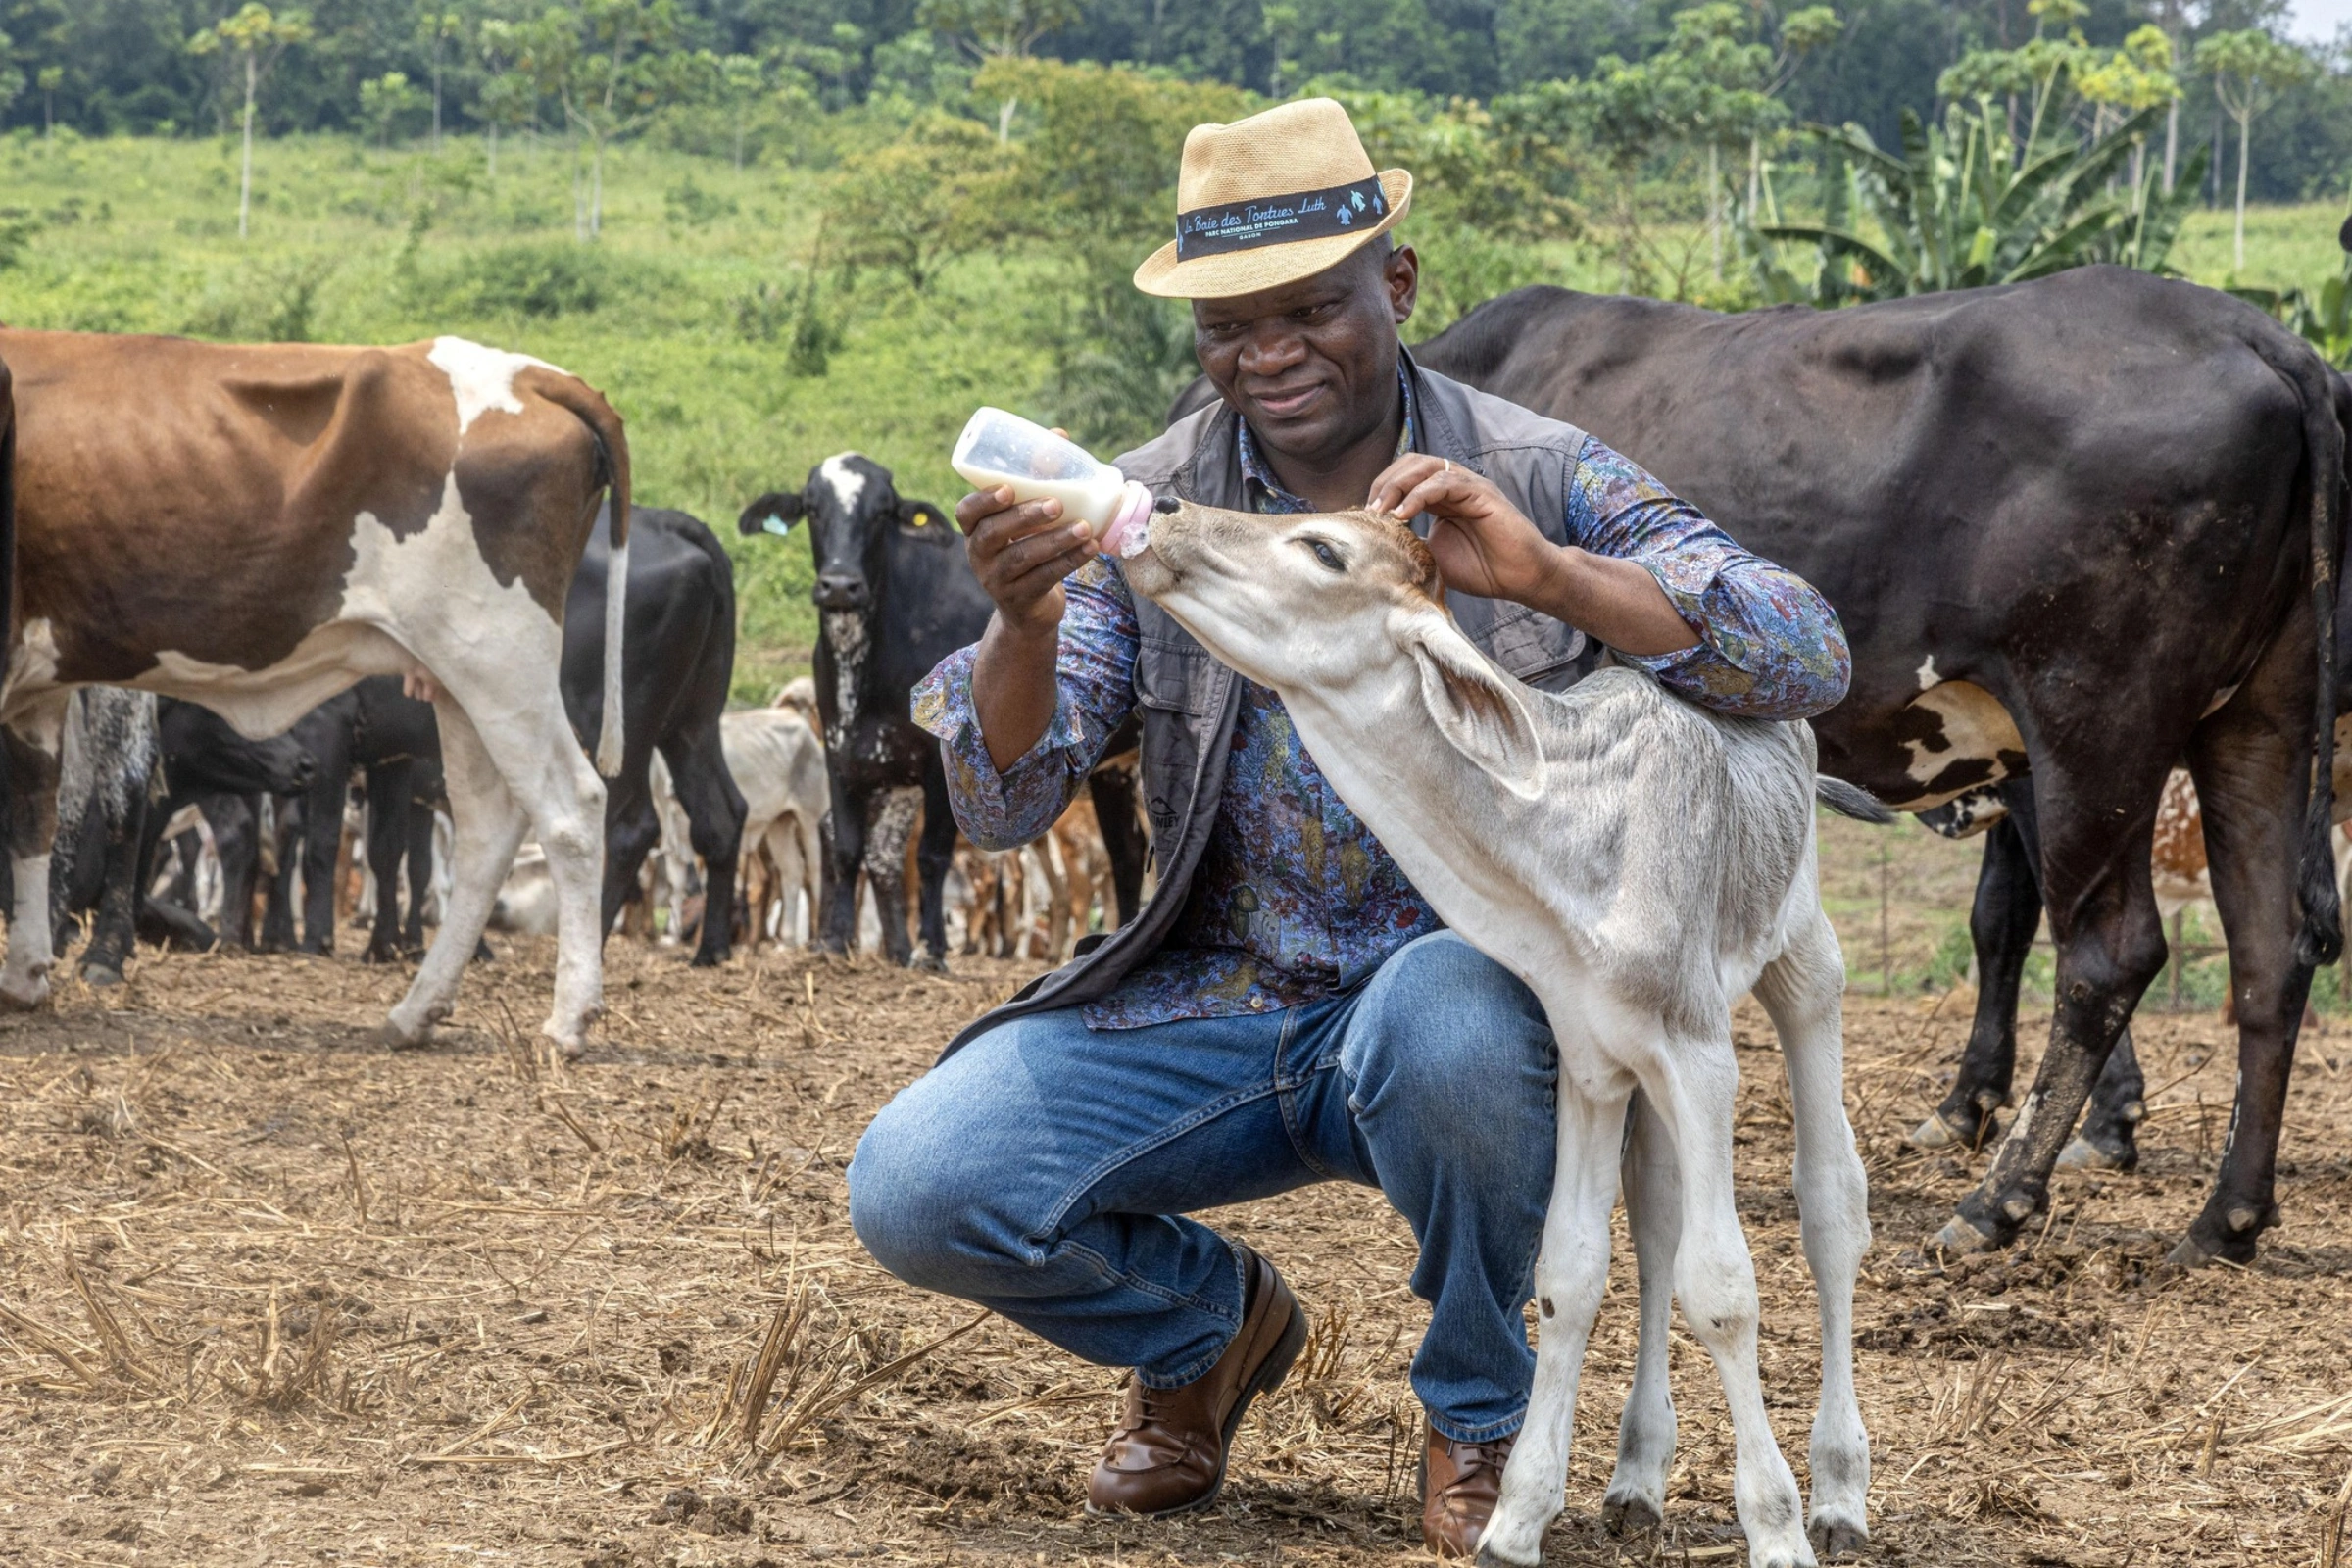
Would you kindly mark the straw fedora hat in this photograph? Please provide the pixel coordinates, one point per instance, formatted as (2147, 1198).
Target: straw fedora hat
(1269, 200)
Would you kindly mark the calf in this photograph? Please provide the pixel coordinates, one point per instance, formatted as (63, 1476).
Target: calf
(1638, 863)
(895, 595)
(256, 527)
(778, 765)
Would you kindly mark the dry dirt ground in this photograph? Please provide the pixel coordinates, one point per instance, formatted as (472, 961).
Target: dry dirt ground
(270, 1294)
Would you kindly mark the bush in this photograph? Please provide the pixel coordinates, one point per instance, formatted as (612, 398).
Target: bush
(275, 304)
(538, 279)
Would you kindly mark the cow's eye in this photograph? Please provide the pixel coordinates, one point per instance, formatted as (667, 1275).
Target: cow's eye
(1328, 557)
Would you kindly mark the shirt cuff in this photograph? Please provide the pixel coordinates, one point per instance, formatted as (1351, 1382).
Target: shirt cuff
(942, 706)
(1689, 581)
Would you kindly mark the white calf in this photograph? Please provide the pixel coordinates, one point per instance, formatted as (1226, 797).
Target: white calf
(1640, 863)
(778, 763)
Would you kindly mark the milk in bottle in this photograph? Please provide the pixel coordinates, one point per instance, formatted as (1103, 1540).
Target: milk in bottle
(997, 448)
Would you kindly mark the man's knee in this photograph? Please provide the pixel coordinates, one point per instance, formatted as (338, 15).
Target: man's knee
(1442, 1020)
(906, 1202)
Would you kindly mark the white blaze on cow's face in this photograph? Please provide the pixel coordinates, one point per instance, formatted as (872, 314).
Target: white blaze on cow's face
(1343, 610)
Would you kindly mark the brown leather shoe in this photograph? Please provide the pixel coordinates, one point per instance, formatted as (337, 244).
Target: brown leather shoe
(1460, 1484)
(1168, 1453)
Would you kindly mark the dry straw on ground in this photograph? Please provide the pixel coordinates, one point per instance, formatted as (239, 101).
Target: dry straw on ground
(269, 1295)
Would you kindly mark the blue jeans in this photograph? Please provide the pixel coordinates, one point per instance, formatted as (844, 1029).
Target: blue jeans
(1045, 1170)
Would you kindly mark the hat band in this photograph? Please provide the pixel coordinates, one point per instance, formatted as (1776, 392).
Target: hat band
(1279, 219)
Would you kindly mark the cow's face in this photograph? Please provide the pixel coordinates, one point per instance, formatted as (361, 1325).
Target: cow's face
(200, 749)
(849, 505)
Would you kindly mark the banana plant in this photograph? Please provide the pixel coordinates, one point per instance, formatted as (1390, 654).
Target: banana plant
(1961, 207)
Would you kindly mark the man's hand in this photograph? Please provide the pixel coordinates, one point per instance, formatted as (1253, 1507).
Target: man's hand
(1020, 551)
(1485, 545)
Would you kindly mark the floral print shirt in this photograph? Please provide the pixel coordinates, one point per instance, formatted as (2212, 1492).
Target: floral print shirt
(1294, 898)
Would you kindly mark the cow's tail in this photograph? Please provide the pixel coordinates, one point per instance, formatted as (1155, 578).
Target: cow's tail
(589, 407)
(2322, 938)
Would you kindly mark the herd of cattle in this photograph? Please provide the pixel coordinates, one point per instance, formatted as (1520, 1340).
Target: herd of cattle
(2081, 533)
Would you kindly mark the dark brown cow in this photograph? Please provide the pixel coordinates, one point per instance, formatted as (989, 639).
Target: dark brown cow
(254, 529)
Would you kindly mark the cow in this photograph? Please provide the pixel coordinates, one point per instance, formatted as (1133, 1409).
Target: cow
(2079, 529)
(378, 730)
(113, 807)
(681, 641)
(256, 527)
(1638, 862)
(894, 594)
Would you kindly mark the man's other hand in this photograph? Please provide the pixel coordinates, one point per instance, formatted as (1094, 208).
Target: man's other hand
(1484, 544)
(1020, 551)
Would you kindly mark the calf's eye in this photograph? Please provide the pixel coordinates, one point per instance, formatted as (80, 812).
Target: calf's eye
(1328, 557)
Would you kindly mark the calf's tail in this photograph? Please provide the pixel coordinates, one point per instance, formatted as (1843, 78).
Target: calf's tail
(584, 403)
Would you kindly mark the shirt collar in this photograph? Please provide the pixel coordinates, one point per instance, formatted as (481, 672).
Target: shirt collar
(1269, 490)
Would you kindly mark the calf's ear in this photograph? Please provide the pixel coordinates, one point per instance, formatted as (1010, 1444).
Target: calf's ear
(1474, 706)
(920, 514)
(773, 513)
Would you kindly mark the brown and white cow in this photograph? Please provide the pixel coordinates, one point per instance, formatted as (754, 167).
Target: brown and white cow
(254, 529)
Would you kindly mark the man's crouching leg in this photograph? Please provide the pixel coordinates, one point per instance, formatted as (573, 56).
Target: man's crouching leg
(1043, 1172)
(1452, 1074)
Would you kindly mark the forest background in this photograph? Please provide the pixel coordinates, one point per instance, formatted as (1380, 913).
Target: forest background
(775, 229)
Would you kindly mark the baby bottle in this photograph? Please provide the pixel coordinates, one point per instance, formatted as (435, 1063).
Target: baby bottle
(1004, 449)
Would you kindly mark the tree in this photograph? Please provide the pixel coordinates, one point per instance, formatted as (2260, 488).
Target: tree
(1960, 208)
(439, 26)
(2137, 76)
(508, 98)
(2250, 69)
(998, 29)
(912, 205)
(611, 64)
(257, 40)
(51, 79)
(384, 99)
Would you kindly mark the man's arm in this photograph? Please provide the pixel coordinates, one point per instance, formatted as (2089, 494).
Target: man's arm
(1649, 576)
(1023, 715)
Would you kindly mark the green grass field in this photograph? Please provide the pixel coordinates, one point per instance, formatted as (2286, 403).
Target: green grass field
(682, 314)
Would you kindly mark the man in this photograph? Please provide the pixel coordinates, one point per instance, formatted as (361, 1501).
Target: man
(1287, 1008)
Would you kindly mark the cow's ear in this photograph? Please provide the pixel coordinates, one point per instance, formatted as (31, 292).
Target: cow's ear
(923, 516)
(1474, 705)
(773, 513)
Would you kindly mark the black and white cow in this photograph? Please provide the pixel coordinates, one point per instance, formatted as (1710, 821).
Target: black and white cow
(127, 770)
(678, 666)
(2082, 529)
(894, 594)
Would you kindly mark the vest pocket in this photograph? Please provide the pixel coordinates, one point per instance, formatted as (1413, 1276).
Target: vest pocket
(1173, 678)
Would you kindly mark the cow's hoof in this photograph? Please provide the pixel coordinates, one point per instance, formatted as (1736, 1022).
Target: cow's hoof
(929, 962)
(1959, 1237)
(393, 1035)
(1835, 1534)
(2195, 1250)
(1935, 1133)
(23, 996)
(1491, 1556)
(371, 953)
(2080, 1154)
(1629, 1513)
(101, 976)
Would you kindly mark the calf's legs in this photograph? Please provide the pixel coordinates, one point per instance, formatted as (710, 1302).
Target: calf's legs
(1645, 1432)
(1572, 1269)
(1802, 991)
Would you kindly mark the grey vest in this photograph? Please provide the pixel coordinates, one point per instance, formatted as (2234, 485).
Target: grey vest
(1187, 701)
